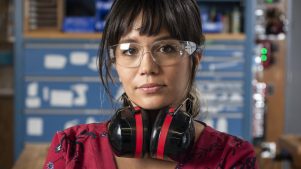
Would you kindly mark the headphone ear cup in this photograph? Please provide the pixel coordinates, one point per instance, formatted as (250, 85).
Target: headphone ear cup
(127, 132)
(156, 131)
(172, 136)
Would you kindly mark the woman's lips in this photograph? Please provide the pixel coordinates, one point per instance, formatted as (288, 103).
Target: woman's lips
(150, 88)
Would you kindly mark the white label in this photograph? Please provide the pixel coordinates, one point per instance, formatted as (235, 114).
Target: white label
(33, 102)
(32, 89)
(34, 127)
(209, 122)
(93, 64)
(55, 61)
(119, 92)
(222, 124)
(61, 98)
(71, 123)
(236, 97)
(90, 120)
(79, 58)
(46, 93)
(81, 99)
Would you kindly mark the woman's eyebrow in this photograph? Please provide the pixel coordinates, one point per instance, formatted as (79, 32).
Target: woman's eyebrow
(133, 40)
(128, 40)
(165, 37)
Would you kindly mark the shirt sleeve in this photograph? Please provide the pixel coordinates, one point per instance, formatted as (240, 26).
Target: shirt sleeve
(242, 156)
(56, 157)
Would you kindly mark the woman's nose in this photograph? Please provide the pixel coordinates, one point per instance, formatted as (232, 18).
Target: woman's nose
(148, 64)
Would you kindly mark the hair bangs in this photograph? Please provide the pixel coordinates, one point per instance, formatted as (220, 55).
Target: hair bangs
(155, 15)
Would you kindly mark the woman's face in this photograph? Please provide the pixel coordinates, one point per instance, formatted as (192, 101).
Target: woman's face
(150, 85)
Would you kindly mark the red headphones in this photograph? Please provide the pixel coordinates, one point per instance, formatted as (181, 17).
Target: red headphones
(171, 137)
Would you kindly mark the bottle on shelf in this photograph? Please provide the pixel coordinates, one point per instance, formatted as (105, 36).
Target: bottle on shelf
(235, 21)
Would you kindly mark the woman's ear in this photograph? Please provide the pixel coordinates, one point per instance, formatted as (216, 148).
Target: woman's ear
(198, 58)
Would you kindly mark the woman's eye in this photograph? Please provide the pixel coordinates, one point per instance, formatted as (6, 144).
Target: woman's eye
(167, 49)
(130, 52)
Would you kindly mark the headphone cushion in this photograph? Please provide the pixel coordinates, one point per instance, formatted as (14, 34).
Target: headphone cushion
(179, 134)
(122, 132)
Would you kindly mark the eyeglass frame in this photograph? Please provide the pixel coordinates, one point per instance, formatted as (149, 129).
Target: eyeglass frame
(112, 57)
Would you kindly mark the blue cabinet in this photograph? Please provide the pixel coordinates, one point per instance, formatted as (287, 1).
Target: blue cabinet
(60, 62)
(42, 127)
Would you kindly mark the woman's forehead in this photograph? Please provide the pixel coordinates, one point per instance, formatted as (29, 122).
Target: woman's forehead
(134, 35)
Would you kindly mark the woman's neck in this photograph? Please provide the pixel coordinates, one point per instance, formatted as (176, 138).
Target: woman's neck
(152, 115)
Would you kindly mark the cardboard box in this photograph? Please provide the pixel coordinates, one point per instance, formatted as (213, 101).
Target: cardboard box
(43, 15)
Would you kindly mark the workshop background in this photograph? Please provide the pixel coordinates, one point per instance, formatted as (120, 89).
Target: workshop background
(249, 76)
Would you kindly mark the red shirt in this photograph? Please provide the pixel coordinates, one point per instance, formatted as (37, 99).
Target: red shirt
(87, 147)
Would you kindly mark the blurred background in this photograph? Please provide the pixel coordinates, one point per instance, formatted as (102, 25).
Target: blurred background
(249, 77)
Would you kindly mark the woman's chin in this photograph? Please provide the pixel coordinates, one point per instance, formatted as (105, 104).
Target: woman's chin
(150, 104)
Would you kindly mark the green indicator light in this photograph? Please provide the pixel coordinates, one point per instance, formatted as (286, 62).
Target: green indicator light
(269, 1)
(264, 58)
(264, 51)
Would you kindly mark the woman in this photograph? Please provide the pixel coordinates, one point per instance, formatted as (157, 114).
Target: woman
(155, 47)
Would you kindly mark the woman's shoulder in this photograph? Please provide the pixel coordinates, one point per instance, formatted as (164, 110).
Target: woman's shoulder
(225, 149)
(214, 139)
(79, 134)
(222, 137)
(78, 145)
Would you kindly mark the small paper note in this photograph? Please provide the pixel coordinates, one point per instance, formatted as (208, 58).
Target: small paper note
(90, 120)
(79, 58)
(209, 122)
(222, 124)
(34, 126)
(52, 61)
(81, 99)
(33, 102)
(32, 89)
(93, 64)
(71, 123)
(61, 98)
(46, 93)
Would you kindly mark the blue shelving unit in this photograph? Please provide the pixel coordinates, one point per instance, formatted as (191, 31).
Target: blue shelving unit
(57, 83)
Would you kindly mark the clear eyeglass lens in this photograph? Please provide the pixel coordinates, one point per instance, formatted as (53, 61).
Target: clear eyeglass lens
(164, 53)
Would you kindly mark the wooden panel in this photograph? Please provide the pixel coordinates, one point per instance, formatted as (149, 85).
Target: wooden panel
(32, 157)
(3, 19)
(6, 130)
(275, 76)
(6, 118)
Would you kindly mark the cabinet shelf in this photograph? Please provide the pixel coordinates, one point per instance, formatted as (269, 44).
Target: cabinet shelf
(60, 35)
(225, 36)
(95, 36)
